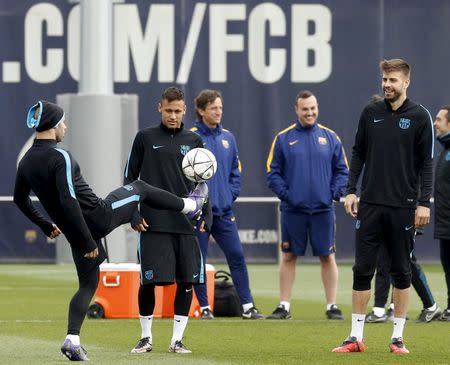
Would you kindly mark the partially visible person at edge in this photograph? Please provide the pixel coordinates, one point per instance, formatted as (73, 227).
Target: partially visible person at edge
(55, 177)
(224, 188)
(394, 144)
(307, 169)
(441, 198)
(168, 251)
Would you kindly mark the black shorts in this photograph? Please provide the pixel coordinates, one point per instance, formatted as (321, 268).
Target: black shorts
(170, 257)
(86, 268)
(382, 225)
(121, 206)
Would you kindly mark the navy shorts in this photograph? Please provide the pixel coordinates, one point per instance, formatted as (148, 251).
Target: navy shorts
(170, 257)
(318, 228)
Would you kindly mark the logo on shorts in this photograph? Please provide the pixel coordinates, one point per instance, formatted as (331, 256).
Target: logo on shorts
(128, 187)
(408, 228)
(404, 123)
(149, 274)
(195, 276)
(357, 224)
(184, 149)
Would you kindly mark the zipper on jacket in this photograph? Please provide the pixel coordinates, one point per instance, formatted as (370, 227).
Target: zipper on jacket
(310, 169)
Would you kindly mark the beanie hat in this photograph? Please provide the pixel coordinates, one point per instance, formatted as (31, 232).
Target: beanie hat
(50, 115)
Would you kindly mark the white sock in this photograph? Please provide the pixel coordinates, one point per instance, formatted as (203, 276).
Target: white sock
(189, 206)
(247, 306)
(391, 306)
(433, 307)
(330, 305)
(399, 324)
(203, 308)
(357, 326)
(379, 311)
(146, 326)
(286, 305)
(75, 339)
(179, 325)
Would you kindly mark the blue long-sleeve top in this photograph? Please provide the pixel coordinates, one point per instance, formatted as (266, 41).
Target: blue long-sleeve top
(307, 168)
(225, 186)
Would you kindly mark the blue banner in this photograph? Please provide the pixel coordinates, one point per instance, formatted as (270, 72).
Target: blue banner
(259, 54)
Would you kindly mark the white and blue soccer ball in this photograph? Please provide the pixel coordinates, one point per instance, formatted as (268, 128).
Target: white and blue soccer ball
(199, 165)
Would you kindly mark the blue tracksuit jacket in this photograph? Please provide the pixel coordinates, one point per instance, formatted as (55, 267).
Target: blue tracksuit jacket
(225, 186)
(307, 168)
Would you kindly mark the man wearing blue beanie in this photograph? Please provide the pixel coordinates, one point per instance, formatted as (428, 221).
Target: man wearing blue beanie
(74, 209)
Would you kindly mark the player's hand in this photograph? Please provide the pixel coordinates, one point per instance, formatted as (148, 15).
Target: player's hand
(422, 217)
(351, 205)
(141, 227)
(92, 254)
(56, 231)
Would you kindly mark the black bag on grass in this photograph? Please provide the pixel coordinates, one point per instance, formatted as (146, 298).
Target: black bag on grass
(226, 299)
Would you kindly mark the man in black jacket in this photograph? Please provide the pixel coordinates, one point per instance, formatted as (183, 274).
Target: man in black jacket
(169, 251)
(441, 197)
(394, 145)
(55, 177)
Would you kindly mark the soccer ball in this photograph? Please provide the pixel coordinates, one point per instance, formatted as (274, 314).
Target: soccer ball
(199, 165)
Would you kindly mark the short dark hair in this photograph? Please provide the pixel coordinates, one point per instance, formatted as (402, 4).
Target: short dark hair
(304, 94)
(396, 64)
(375, 97)
(447, 116)
(172, 93)
(205, 97)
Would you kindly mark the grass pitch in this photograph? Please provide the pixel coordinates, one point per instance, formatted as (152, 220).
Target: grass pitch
(33, 312)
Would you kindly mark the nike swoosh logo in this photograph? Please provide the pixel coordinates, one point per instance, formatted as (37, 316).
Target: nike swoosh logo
(178, 320)
(195, 275)
(429, 317)
(360, 320)
(155, 147)
(293, 142)
(408, 228)
(377, 120)
(188, 290)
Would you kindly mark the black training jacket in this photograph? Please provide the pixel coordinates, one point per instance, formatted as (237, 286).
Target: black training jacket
(442, 192)
(55, 177)
(395, 148)
(155, 158)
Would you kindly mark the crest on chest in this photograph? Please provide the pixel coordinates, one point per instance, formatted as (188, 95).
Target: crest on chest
(404, 123)
(184, 149)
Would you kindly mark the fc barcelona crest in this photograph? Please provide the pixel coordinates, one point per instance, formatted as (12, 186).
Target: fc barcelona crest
(184, 149)
(404, 123)
(225, 143)
(149, 274)
(322, 140)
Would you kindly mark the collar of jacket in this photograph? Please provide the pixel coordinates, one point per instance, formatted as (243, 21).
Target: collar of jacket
(171, 130)
(45, 142)
(445, 140)
(299, 126)
(400, 109)
(204, 129)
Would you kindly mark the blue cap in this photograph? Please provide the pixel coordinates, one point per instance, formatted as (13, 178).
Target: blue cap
(50, 115)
